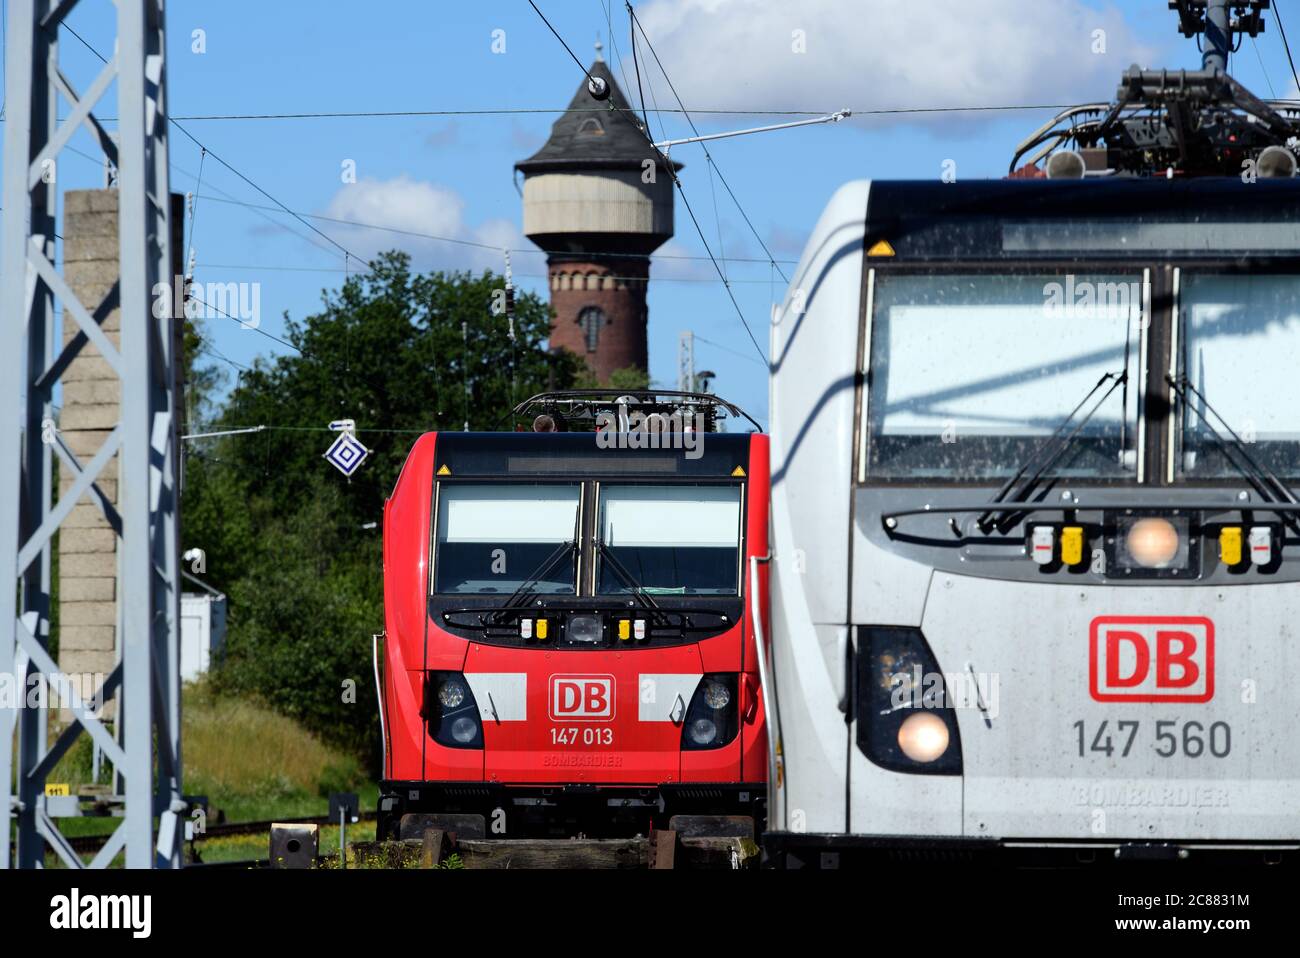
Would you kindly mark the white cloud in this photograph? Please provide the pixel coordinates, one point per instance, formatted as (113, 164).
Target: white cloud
(421, 210)
(885, 54)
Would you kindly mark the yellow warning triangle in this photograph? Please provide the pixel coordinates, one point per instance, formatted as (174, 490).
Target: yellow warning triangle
(443, 470)
(737, 471)
(881, 248)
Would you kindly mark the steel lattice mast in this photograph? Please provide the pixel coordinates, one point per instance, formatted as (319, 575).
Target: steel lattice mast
(145, 681)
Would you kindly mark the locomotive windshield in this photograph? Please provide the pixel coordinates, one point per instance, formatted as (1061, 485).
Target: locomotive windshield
(492, 538)
(1238, 336)
(971, 374)
(668, 540)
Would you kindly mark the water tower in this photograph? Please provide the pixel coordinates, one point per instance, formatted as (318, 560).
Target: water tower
(598, 199)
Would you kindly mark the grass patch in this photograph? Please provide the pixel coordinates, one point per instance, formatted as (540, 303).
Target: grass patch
(252, 763)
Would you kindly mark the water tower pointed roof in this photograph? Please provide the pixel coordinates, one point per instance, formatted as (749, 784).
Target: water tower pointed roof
(594, 134)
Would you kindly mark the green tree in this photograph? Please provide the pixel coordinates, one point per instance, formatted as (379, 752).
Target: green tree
(628, 377)
(287, 537)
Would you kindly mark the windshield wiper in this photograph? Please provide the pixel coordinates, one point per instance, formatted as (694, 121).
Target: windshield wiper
(528, 586)
(1062, 444)
(628, 578)
(1265, 482)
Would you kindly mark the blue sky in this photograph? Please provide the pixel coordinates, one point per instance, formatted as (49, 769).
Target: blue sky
(452, 175)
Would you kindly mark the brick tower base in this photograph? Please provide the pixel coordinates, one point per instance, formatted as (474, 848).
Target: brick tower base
(600, 310)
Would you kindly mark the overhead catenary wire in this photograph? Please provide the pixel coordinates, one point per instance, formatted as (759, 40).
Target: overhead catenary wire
(725, 349)
(677, 181)
(194, 216)
(590, 79)
(608, 7)
(523, 111)
(636, 68)
(419, 234)
(515, 111)
(206, 150)
(1277, 15)
(637, 27)
(267, 427)
(257, 329)
(264, 267)
(1263, 69)
(259, 209)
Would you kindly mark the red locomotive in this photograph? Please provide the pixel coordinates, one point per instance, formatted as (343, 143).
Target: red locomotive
(569, 637)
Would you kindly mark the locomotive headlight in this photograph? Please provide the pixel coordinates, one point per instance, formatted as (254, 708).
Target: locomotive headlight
(906, 715)
(451, 693)
(464, 729)
(1152, 546)
(703, 731)
(584, 628)
(451, 712)
(923, 737)
(716, 695)
(712, 719)
(1152, 542)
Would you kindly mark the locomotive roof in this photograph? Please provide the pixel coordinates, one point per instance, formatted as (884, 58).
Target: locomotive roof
(1113, 217)
(577, 455)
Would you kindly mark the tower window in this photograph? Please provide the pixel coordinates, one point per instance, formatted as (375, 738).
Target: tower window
(591, 319)
(591, 127)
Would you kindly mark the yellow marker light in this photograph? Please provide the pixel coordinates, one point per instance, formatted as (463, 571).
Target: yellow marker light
(1230, 545)
(1072, 545)
(443, 470)
(881, 248)
(738, 471)
(624, 629)
(540, 629)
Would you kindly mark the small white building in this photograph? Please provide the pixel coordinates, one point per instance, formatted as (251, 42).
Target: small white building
(203, 630)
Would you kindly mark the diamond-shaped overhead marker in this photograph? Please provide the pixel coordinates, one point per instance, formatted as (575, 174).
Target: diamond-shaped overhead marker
(346, 454)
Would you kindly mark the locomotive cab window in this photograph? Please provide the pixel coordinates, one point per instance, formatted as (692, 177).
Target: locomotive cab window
(972, 374)
(491, 538)
(1237, 335)
(668, 540)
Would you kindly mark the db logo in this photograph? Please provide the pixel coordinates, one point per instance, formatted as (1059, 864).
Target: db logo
(1151, 658)
(583, 697)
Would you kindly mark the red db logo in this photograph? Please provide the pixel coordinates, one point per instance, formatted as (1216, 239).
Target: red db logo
(583, 697)
(1151, 658)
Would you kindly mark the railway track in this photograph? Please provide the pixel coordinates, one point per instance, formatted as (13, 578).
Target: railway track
(93, 843)
(660, 850)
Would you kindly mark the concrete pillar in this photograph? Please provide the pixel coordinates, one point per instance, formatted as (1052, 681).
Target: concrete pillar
(90, 408)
